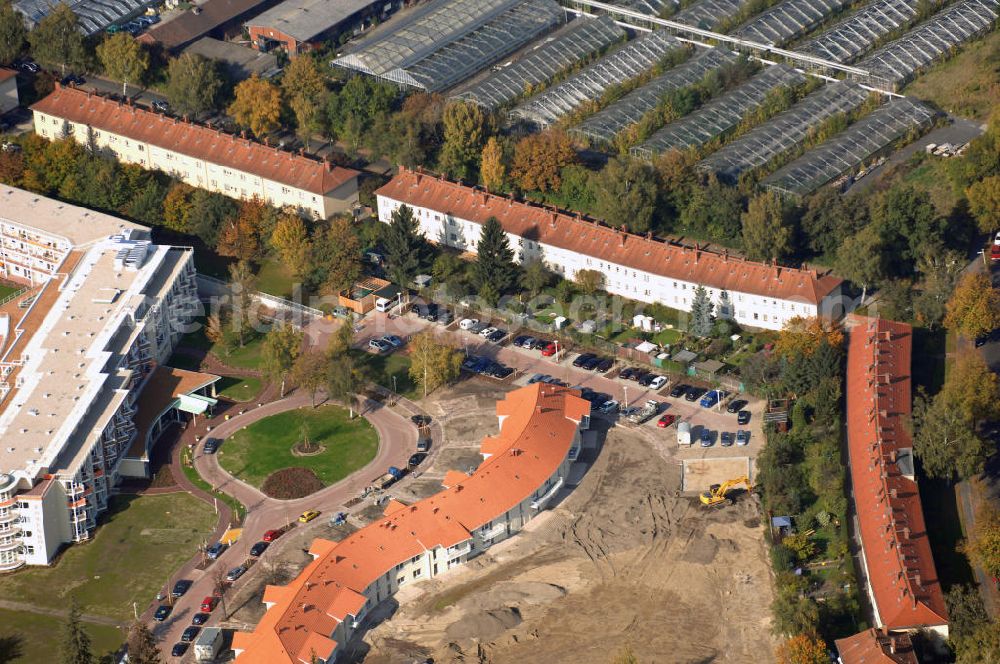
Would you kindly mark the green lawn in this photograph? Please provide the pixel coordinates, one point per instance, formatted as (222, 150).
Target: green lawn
(245, 357)
(238, 509)
(141, 540)
(239, 389)
(265, 446)
(667, 337)
(382, 368)
(37, 637)
(7, 289)
(275, 278)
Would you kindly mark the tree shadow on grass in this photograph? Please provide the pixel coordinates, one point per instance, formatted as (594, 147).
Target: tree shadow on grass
(11, 648)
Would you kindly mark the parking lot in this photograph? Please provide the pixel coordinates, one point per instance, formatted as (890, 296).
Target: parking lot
(533, 363)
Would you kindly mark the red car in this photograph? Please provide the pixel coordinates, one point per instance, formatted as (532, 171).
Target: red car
(208, 604)
(271, 535)
(549, 350)
(666, 421)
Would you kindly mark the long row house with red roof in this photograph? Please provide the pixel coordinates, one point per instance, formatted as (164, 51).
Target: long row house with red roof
(524, 466)
(200, 156)
(638, 267)
(900, 577)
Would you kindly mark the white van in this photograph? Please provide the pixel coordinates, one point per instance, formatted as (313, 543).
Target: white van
(684, 433)
(382, 304)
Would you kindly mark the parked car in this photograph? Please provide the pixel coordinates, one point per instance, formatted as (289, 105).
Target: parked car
(72, 79)
(742, 437)
(501, 371)
(162, 612)
(420, 420)
(208, 604)
(666, 421)
(235, 573)
(379, 346)
(679, 390)
(430, 313)
(308, 516)
(216, 550)
(538, 378)
(591, 364)
(189, 633)
(468, 323)
(470, 362)
(161, 106)
(627, 372)
(179, 649)
(487, 332)
(658, 382)
(211, 445)
(524, 341)
(736, 405)
(424, 444)
(393, 340)
(598, 399)
(181, 587)
(549, 350)
(640, 374)
(199, 618)
(610, 407)
(726, 439)
(648, 379)
(496, 335)
(743, 417)
(259, 548)
(445, 317)
(416, 459)
(28, 65)
(706, 438)
(271, 535)
(539, 343)
(604, 366)
(693, 393)
(583, 359)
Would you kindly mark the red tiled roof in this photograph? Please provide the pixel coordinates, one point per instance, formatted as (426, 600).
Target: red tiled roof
(239, 154)
(6, 74)
(900, 566)
(539, 425)
(873, 647)
(590, 238)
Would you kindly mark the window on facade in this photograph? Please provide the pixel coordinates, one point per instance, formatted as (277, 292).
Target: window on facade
(29, 550)
(417, 573)
(142, 148)
(401, 580)
(756, 316)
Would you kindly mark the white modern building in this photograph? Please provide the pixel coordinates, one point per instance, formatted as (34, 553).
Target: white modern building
(636, 267)
(95, 311)
(524, 466)
(200, 156)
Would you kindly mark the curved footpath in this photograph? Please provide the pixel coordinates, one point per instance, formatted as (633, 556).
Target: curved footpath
(397, 438)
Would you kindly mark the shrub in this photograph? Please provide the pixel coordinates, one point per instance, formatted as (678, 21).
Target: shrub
(291, 483)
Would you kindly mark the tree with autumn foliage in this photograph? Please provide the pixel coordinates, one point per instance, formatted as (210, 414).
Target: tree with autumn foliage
(984, 203)
(304, 89)
(177, 207)
(492, 169)
(803, 336)
(123, 58)
(257, 105)
(540, 158)
(337, 257)
(466, 129)
(974, 307)
(240, 237)
(972, 388)
(983, 544)
(291, 239)
(802, 649)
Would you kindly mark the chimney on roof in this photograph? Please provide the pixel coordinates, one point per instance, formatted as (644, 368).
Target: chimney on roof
(623, 233)
(649, 235)
(302, 152)
(906, 532)
(267, 141)
(553, 220)
(916, 580)
(186, 118)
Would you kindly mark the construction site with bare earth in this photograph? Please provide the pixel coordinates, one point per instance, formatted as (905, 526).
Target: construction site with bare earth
(624, 560)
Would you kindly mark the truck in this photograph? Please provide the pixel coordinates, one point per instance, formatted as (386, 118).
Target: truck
(208, 645)
(644, 414)
(384, 481)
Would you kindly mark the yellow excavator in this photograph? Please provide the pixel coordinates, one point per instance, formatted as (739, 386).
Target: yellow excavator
(717, 494)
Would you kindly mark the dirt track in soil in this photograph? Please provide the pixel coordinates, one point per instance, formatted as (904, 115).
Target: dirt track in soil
(622, 561)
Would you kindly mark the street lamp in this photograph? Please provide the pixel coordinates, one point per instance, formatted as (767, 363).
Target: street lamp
(625, 387)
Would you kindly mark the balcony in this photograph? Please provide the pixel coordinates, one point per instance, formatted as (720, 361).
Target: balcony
(460, 551)
(541, 502)
(495, 531)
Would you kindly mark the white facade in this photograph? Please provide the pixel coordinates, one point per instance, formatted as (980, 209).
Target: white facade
(94, 330)
(744, 308)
